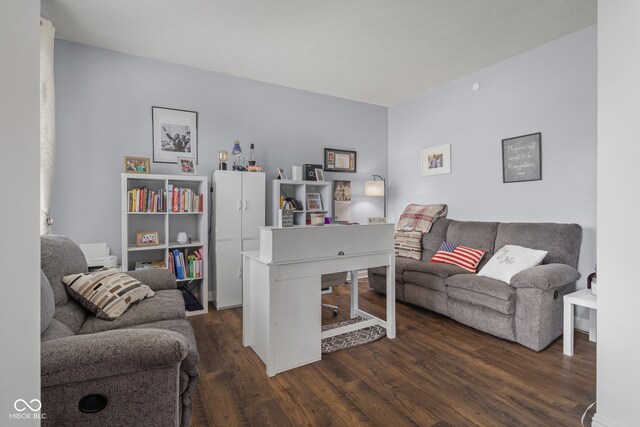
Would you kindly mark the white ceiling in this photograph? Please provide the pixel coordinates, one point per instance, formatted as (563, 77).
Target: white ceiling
(376, 51)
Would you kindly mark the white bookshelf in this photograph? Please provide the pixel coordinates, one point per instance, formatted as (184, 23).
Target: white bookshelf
(167, 224)
(299, 190)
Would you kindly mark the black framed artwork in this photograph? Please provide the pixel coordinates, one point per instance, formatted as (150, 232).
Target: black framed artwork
(175, 134)
(522, 158)
(339, 160)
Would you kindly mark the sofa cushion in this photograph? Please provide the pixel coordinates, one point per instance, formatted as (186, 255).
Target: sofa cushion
(482, 285)
(425, 280)
(47, 303)
(106, 293)
(477, 235)
(481, 300)
(562, 241)
(435, 268)
(431, 241)
(165, 305)
(56, 330)
(72, 314)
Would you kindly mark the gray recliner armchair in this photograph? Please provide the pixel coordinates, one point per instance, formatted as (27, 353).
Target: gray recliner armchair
(140, 369)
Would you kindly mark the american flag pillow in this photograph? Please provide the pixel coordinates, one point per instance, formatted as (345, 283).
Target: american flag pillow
(461, 256)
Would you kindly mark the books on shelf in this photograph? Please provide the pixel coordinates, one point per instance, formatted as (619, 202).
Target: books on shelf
(174, 199)
(146, 265)
(187, 263)
(184, 200)
(141, 199)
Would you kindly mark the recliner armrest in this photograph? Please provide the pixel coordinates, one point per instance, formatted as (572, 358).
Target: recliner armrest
(104, 354)
(547, 276)
(158, 279)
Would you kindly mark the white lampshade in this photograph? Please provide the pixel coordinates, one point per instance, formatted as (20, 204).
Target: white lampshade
(374, 188)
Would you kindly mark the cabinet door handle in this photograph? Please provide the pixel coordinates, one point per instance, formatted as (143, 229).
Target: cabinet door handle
(239, 204)
(244, 203)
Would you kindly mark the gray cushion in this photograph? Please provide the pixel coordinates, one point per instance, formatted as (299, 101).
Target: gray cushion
(158, 279)
(56, 330)
(59, 256)
(480, 299)
(436, 268)
(482, 285)
(431, 240)
(165, 305)
(476, 235)
(401, 264)
(425, 280)
(72, 314)
(545, 276)
(482, 318)
(562, 241)
(47, 302)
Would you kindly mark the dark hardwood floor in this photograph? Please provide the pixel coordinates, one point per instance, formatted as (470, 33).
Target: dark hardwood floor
(437, 372)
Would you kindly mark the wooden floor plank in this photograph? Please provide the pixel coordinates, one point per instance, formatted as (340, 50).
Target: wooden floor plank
(437, 372)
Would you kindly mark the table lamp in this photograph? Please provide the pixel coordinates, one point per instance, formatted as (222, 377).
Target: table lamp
(223, 156)
(377, 188)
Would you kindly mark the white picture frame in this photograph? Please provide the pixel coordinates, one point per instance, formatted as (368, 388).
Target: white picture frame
(435, 160)
(319, 175)
(187, 165)
(175, 134)
(282, 174)
(314, 202)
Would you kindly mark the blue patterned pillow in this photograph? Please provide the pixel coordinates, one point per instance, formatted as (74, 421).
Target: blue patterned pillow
(447, 247)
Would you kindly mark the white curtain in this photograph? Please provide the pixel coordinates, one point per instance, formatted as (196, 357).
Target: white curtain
(47, 123)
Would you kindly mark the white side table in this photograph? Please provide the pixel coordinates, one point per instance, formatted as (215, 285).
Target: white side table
(583, 298)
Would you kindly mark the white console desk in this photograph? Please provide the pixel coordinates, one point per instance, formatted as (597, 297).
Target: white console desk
(281, 287)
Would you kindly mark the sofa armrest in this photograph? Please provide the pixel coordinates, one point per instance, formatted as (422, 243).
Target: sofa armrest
(545, 276)
(92, 356)
(158, 279)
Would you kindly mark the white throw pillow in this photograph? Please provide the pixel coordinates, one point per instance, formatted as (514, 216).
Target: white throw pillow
(511, 260)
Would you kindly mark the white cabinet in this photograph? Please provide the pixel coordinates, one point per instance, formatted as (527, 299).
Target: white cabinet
(239, 211)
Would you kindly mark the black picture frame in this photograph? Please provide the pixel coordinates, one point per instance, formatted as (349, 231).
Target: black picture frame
(331, 156)
(163, 156)
(522, 158)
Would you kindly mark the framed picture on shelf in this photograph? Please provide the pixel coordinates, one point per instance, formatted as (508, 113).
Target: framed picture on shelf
(339, 160)
(137, 164)
(436, 160)
(522, 158)
(147, 238)
(281, 174)
(314, 202)
(175, 134)
(319, 175)
(187, 165)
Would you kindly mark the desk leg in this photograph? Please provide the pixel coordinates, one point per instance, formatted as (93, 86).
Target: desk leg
(354, 293)
(567, 339)
(391, 297)
(592, 324)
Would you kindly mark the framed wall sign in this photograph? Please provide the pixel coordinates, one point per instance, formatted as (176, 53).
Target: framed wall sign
(339, 160)
(435, 160)
(522, 158)
(175, 134)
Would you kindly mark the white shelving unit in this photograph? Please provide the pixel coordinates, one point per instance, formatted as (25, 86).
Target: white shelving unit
(167, 224)
(299, 190)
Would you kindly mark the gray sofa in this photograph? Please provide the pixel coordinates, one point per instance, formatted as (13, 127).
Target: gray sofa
(144, 363)
(529, 311)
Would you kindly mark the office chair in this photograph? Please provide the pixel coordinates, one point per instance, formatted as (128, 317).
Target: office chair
(330, 281)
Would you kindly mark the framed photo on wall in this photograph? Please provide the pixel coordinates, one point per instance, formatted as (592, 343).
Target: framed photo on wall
(339, 160)
(522, 158)
(436, 160)
(175, 134)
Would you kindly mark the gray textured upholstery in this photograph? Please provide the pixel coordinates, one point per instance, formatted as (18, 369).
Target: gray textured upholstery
(47, 303)
(529, 311)
(402, 264)
(148, 372)
(429, 281)
(473, 234)
(545, 276)
(164, 305)
(561, 241)
(431, 240)
(379, 283)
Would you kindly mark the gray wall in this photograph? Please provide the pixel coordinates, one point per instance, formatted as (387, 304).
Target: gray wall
(551, 90)
(104, 101)
(19, 223)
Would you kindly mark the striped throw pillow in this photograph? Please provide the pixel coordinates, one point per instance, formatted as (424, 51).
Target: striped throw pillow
(408, 244)
(106, 293)
(461, 256)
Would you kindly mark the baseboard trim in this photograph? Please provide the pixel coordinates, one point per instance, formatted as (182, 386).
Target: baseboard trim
(600, 421)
